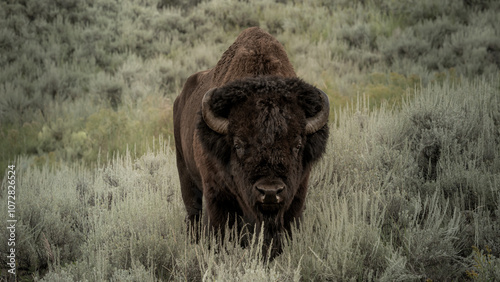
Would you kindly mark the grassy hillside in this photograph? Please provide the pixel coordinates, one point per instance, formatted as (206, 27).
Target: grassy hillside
(409, 188)
(82, 76)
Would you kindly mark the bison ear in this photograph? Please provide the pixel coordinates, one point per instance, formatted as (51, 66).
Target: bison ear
(315, 145)
(212, 119)
(213, 125)
(320, 119)
(214, 143)
(316, 106)
(217, 103)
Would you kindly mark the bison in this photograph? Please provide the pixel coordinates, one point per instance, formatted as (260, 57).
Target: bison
(246, 135)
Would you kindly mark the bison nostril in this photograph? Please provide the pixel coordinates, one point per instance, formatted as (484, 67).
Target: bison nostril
(270, 190)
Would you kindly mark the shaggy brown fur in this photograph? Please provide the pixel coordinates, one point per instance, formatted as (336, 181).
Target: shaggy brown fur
(254, 53)
(265, 148)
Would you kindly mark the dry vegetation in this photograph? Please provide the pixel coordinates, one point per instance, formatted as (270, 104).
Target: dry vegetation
(409, 188)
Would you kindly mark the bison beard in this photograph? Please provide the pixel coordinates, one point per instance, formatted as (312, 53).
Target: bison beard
(247, 133)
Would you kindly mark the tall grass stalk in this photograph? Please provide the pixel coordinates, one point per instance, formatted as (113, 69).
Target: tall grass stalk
(371, 211)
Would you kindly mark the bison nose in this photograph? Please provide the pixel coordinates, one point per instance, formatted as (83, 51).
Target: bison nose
(269, 192)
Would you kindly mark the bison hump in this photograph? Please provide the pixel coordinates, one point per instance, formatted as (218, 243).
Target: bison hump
(254, 53)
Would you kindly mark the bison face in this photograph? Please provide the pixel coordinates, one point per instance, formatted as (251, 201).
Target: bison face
(265, 132)
(266, 167)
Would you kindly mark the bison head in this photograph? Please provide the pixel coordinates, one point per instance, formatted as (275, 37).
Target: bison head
(265, 133)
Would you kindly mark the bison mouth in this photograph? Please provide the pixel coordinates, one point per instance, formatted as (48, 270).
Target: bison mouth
(269, 209)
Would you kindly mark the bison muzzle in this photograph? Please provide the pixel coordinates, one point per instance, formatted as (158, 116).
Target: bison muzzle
(246, 134)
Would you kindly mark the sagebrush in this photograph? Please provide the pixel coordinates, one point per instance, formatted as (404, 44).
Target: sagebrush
(409, 188)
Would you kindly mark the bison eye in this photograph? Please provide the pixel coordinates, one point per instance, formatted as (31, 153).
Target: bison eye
(239, 148)
(298, 147)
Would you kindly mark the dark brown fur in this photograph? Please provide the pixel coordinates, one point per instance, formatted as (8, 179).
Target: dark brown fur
(267, 106)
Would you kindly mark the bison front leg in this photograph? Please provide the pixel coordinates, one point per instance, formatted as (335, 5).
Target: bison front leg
(192, 196)
(221, 210)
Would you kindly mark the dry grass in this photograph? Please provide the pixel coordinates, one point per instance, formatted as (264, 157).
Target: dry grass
(409, 184)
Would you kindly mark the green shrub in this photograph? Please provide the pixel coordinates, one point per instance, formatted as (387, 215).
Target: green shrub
(441, 43)
(349, 245)
(52, 216)
(486, 266)
(65, 51)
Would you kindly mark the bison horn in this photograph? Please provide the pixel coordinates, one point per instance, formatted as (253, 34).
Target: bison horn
(316, 122)
(216, 123)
